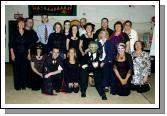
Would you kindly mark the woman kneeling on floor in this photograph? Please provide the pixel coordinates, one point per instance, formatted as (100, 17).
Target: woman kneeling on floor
(141, 65)
(71, 71)
(123, 68)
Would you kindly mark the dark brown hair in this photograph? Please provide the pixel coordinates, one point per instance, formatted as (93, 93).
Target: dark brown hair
(128, 21)
(90, 24)
(70, 31)
(58, 23)
(104, 19)
(142, 44)
(119, 23)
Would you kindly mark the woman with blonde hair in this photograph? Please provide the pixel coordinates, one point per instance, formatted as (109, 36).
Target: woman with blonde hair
(123, 69)
(102, 38)
(71, 71)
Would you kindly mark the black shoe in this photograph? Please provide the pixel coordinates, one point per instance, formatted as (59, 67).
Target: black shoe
(113, 92)
(23, 88)
(104, 97)
(83, 94)
(57, 91)
(18, 89)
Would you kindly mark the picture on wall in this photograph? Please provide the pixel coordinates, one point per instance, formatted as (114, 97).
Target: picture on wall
(53, 10)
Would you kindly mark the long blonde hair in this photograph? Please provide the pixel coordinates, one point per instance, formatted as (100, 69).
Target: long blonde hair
(75, 53)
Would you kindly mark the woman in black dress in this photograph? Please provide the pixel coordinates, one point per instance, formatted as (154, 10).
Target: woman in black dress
(73, 41)
(71, 71)
(37, 62)
(19, 51)
(123, 68)
(57, 39)
(86, 39)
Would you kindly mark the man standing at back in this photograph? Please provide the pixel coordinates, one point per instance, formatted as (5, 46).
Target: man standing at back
(104, 26)
(44, 30)
(32, 39)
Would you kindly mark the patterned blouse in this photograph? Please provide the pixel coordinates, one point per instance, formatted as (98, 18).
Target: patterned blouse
(141, 66)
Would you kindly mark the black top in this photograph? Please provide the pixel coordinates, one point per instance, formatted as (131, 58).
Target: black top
(124, 67)
(86, 41)
(33, 38)
(51, 65)
(19, 42)
(56, 40)
(38, 63)
(71, 72)
(110, 31)
(74, 44)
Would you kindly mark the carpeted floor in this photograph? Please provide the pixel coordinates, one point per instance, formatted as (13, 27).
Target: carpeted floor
(35, 97)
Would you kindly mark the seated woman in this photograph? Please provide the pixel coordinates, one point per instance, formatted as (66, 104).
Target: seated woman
(141, 65)
(37, 65)
(123, 68)
(71, 71)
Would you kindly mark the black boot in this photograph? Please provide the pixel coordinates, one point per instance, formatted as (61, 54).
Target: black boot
(104, 97)
(83, 94)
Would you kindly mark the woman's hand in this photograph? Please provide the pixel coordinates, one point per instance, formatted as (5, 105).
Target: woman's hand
(87, 50)
(12, 57)
(123, 81)
(29, 57)
(145, 79)
(41, 75)
(82, 53)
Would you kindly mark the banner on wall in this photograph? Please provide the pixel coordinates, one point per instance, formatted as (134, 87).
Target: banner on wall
(52, 10)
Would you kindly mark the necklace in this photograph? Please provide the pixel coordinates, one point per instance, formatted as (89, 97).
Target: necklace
(39, 57)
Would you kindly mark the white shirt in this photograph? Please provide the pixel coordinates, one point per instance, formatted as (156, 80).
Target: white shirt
(81, 31)
(94, 55)
(103, 48)
(133, 36)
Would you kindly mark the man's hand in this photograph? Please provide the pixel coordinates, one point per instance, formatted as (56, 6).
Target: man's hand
(47, 75)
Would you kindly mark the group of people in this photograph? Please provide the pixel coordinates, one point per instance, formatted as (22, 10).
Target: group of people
(61, 58)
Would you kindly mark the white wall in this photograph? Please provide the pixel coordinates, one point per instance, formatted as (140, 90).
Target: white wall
(140, 16)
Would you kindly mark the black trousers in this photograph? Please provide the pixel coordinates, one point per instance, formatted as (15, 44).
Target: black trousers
(52, 83)
(57, 82)
(107, 75)
(97, 78)
(29, 75)
(20, 70)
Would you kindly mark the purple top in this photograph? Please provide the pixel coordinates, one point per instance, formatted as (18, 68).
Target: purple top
(115, 40)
